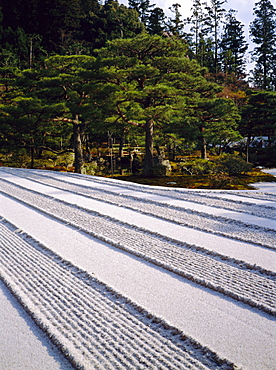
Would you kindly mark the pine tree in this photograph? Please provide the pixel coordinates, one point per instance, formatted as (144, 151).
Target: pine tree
(11, 13)
(263, 34)
(143, 8)
(151, 83)
(219, 117)
(111, 21)
(215, 14)
(176, 24)
(156, 22)
(21, 14)
(259, 118)
(88, 6)
(59, 20)
(66, 81)
(233, 46)
(197, 29)
(19, 49)
(26, 116)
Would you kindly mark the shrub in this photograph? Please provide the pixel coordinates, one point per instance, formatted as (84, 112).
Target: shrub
(90, 168)
(18, 159)
(65, 160)
(198, 167)
(221, 181)
(234, 166)
(159, 170)
(263, 156)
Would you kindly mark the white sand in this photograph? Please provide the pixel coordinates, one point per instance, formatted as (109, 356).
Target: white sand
(233, 330)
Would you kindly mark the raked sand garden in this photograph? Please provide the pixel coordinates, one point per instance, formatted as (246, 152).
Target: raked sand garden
(97, 273)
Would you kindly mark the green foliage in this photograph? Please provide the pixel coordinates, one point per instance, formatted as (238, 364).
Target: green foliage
(198, 167)
(198, 31)
(233, 46)
(221, 123)
(66, 78)
(234, 166)
(111, 21)
(151, 83)
(90, 168)
(71, 26)
(215, 13)
(176, 24)
(19, 49)
(259, 115)
(221, 181)
(35, 28)
(156, 22)
(18, 157)
(26, 118)
(135, 85)
(265, 157)
(159, 170)
(211, 121)
(64, 160)
(263, 34)
(142, 7)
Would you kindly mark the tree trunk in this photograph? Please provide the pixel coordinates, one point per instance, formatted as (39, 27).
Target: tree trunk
(78, 130)
(203, 147)
(157, 147)
(88, 155)
(121, 147)
(32, 151)
(248, 140)
(148, 160)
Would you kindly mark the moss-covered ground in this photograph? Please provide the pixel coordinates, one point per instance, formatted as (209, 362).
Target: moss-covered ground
(241, 182)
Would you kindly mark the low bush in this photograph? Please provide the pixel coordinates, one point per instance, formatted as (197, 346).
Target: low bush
(234, 166)
(265, 157)
(159, 170)
(16, 159)
(198, 167)
(90, 168)
(221, 181)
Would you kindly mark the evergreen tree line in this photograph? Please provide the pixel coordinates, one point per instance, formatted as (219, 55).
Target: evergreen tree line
(73, 71)
(33, 29)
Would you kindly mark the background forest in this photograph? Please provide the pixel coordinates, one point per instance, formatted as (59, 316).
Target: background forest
(96, 87)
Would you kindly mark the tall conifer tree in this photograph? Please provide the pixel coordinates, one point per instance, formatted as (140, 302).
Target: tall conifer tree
(143, 8)
(176, 24)
(233, 46)
(263, 34)
(215, 14)
(156, 24)
(198, 30)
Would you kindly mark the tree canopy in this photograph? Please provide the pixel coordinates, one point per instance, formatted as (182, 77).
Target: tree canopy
(263, 34)
(76, 69)
(152, 82)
